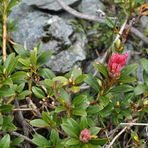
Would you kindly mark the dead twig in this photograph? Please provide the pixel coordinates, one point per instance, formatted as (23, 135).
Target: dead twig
(79, 14)
(22, 136)
(33, 106)
(4, 36)
(116, 137)
(134, 124)
(98, 19)
(122, 131)
(21, 119)
(22, 109)
(139, 34)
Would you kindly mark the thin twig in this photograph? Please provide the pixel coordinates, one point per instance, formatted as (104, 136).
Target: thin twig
(120, 32)
(106, 54)
(22, 109)
(33, 106)
(79, 14)
(21, 119)
(116, 137)
(22, 136)
(136, 124)
(102, 20)
(4, 37)
(140, 35)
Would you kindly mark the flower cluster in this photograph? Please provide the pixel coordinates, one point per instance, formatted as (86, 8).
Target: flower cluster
(115, 63)
(85, 136)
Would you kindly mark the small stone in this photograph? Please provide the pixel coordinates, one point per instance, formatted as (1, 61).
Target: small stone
(91, 6)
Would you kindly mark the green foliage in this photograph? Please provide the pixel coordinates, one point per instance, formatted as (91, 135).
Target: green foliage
(56, 108)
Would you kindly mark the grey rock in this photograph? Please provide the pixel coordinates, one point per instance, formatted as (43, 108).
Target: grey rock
(144, 22)
(55, 33)
(91, 6)
(49, 4)
(35, 26)
(59, 29)
(65, 60)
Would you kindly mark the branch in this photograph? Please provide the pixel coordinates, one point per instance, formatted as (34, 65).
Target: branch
(140, 35)
(21, 119)
(99, 20)
(22, 136)
(116, 137)
(4, 36)
(79, 14)
(136, 124)
(33, 106)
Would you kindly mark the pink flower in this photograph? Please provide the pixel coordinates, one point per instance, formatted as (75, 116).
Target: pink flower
(115, 63)
(85, 136)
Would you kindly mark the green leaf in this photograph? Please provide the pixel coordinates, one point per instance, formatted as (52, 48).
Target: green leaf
(54, 136)
(5, 141)
(19, 77)
(48, 118)
(129, 69)
(46, 73)
(39, 123)
(104, 101)
(102, 69)
(83, 123)
(69, 131)
(17, 141)
(64, 95)
(59, 109)
(79, 112)
(127, 79)
(8, 124)
(20, 87)
(10, 64)
(33, 56)
(144, 63)
(76, 72)
(79, 100)
(38, 92)
(61, 80)
(94, 109)
(72, 141)
(121, 89)
(41, 141)
(71, 128)
(75, 89)
(44, 57)
(23, 94)
(6, 108)
(145, 77)
(7, 81)
(92, 81)
(140, 89)
(80, 79)
(6, 92)
(11, 4)
(25, 62)
(1, 121)
(109, 22)
(98, 141)
(20, 50)
(94, 130)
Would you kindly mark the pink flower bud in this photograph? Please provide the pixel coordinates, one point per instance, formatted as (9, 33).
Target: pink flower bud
(115, 63)
(85, 136)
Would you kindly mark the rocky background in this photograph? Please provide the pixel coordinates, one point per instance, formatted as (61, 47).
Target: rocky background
(44, 21)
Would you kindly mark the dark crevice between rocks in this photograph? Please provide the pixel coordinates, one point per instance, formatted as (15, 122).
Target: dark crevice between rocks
(45, 28)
